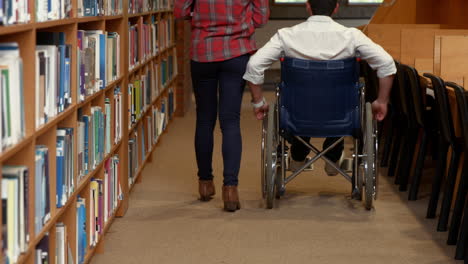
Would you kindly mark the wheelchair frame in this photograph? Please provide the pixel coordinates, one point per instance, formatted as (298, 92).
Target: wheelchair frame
(275, 156)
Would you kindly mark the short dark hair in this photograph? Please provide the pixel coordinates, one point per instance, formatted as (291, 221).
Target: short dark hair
(322, 7)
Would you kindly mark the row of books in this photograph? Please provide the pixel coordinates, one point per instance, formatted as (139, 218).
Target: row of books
(142, 92)
(93, 139)
(15, 202)
(11, 95)
(14, 12)
(53, 9)
(133, 40)
(149, 45)
(168, 69)
(98, 60)
(53, 73)
(140, 142)
(139, 6)
(145, 40)
(15, 205)
(165, 32)
(104, 197)
(99, 8)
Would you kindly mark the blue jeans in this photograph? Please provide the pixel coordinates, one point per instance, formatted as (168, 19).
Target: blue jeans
(219, 87)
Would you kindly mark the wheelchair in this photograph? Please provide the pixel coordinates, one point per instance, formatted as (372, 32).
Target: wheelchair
(319, 99)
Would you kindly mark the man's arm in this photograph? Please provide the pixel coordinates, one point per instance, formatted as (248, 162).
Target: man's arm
(182, 9)
(379, 106)
(256, 67)
(379, 60)
(261, 12)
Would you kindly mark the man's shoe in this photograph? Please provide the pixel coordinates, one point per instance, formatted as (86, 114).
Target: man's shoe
(206, 189)
(296, 165)
(332, 171)
(231, 198)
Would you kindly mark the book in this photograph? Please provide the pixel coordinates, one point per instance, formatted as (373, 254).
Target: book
(15, 206)
(41, 181)
(81, 240)
(12, 102)
(42, 250)
(117, 114)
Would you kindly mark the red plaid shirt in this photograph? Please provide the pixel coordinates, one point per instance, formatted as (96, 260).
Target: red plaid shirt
(223, 29)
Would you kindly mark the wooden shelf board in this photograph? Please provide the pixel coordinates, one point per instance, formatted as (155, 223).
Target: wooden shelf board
(4, 30)
(141, 64)
(54, 121)
(22, 258)
(141, 14)
(54, 23)
(113, 17)
(89, 19)
(9, 152)
(89, 98)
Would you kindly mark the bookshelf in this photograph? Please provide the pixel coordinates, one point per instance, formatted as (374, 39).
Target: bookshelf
(99, 119)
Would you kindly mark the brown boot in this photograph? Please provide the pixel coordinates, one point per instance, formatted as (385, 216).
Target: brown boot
(206, 189)
(231, 198)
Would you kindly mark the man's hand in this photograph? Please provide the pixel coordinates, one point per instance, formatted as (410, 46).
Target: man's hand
(261, 112)
(379, 109)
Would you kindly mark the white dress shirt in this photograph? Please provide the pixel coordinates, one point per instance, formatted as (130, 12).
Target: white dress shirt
(319, 38)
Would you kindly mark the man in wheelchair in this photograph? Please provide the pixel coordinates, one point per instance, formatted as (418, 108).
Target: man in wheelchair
(322, 48)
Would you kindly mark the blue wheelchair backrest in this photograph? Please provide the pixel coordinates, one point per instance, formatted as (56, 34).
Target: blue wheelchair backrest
(319, 98)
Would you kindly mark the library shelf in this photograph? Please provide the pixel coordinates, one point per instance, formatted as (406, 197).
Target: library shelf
(23, 152)
(71, 200)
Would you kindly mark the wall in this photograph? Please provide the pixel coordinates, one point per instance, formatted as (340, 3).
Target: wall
(299, 12)
(451, 12)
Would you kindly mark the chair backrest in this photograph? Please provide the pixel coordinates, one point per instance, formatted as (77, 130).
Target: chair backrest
(320, 98)
(372, 81)
(462, 102)
(416, 105)
(443, 110)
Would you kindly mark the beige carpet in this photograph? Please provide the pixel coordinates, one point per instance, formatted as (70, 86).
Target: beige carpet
(315, 222)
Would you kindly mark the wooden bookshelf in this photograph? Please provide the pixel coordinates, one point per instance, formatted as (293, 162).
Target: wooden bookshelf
(23, 153)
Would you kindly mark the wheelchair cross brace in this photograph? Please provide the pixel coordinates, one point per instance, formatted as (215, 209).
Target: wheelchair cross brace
(319, 154)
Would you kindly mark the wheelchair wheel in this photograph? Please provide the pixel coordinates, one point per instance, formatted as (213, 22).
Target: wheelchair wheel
(369, 159)
(271, 149)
